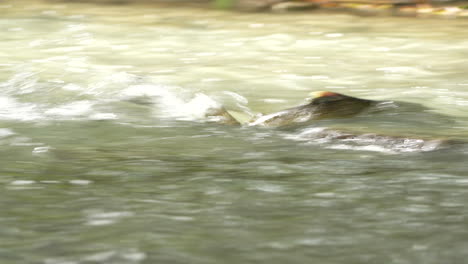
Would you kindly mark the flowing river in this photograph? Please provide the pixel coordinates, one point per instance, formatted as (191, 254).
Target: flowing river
(107, 156)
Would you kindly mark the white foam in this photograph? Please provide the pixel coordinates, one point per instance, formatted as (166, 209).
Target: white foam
(266, 187)
(100, 222)
(274, 101)
(365, 142)
(198, 107)
(134, 256)
(77, 108)
(361, 148)
(171, 102)
(101, 256)
(22, 182)
(80, 182)
(12, 109)
(72, 87)
(39, 150)
(404, 70)
(103, 116)
(306, 134)
(334, 35)
(5, 132)
(145, 90)
(96, 218)
(239, 98)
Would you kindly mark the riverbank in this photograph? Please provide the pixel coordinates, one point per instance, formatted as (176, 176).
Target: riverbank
(417, 9)
(387, 8)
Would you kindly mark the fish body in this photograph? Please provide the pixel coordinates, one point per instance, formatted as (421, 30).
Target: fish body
(324, 106)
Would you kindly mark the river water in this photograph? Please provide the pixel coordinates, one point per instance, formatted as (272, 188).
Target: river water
(107, 157)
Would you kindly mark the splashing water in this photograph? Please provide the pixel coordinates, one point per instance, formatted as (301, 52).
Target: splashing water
(108, 155)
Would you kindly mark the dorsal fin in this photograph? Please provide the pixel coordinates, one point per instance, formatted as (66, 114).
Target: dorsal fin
(323, 94)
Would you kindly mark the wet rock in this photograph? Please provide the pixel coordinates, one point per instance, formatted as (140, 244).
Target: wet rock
(407, 11)
(122, 2)
(367, 9)
(293, 6)
(255, 5)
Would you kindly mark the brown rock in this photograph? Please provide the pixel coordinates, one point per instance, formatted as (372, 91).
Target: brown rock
(293, 6)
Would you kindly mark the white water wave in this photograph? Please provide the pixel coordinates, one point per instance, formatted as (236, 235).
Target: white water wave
(11, 109)
(334, 139)
(173, 102)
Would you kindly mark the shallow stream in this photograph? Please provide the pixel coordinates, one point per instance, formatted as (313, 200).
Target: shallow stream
(107, 157)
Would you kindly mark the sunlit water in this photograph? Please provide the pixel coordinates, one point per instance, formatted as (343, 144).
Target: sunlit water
(107, 156)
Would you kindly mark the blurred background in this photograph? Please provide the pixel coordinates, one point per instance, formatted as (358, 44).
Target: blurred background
(362, 7)
(108, 155)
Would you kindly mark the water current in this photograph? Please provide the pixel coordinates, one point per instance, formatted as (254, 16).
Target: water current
(107, 156)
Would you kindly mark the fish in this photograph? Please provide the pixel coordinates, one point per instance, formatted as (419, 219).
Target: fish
(331, 106)
(324, 105)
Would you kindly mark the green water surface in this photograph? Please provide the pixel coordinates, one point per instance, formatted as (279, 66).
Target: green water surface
(106, 156)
